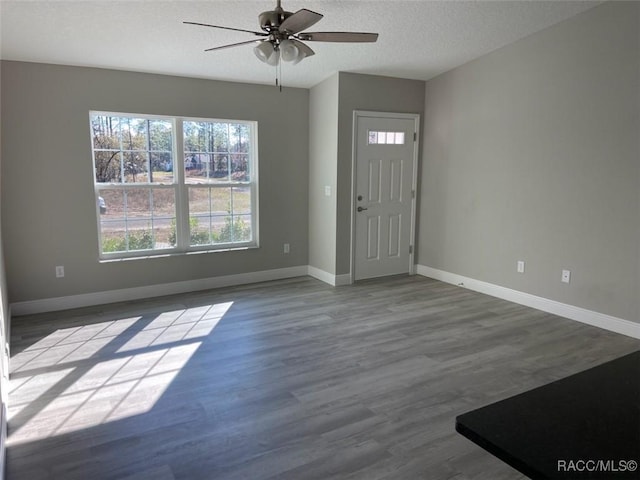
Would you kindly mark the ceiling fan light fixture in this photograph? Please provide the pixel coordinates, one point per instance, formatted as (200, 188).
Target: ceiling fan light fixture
(274, 59)
(266, 52)
(290, 52)
(301, 56)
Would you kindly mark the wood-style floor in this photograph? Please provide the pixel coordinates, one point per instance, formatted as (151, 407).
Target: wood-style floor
(290, 379)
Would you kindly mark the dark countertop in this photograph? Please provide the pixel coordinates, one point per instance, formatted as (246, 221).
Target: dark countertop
(586, 426)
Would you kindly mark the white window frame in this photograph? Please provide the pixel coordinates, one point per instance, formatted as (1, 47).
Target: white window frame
(181, 189)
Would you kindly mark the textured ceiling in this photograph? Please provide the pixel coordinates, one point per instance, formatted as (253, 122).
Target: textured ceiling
(418, 39)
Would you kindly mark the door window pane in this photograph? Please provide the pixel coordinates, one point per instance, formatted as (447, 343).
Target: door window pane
(385, 138)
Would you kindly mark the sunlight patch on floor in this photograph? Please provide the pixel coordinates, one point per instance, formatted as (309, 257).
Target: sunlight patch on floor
(104, 371)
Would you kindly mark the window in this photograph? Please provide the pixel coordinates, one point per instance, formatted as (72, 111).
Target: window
(166, 184)
(386, 138)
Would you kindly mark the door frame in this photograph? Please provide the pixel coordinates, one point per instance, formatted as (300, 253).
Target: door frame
(357, 114)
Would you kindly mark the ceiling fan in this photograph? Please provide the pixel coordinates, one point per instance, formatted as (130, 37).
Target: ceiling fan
(283, 35)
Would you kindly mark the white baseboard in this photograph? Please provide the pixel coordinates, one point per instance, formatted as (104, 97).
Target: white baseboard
(601, 320)
(136, 293)
(330, 278)
(596, 319)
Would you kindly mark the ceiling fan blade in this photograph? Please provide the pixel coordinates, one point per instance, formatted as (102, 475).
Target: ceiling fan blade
(303, 48)
(338, 37)
(261, 34)
(231, 45)
(299, 21)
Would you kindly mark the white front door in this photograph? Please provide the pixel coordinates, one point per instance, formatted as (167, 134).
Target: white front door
(384, 203)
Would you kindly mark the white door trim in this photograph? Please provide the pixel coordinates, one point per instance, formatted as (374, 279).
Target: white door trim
(357, 114)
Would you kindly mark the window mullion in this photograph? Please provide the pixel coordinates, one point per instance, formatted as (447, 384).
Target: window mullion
(149, 169)
(152, 215)
(231, 207)
(182, 193)
(254, 184)
(121, 146)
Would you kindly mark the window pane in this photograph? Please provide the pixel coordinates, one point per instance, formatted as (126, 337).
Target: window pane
(194, 140)
(221, 136)
(238, 138)
(113, 202)
(199, 200)
(108, 166)
(220, 172)
(382, 137)
(134, 134)
(240, 167)
(106, 131)
(160, 135)
(164, 202)
(373, 137)
(138, 202)
(139, 235)
(220, 200)
(114, 241)
(241, 228)
(220, 215)
(164, 216)
(221, 226)
(204, 137)
(199, 231)
(112, 220)
(135, 167)
(399, 138)
(164, 236)
(199, 215)
(241, 200)
(161, 167)
(195, 167)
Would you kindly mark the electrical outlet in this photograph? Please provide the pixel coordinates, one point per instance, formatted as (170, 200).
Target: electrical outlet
(59, 271)
(327, 190)
(566, 276)
(520, 266)
(286, 248)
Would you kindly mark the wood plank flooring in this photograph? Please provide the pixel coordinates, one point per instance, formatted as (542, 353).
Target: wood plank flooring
(291, 379)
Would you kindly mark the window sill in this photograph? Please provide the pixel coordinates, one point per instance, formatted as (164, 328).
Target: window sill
(177, 254)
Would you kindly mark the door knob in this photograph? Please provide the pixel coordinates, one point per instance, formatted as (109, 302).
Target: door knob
(360, 209)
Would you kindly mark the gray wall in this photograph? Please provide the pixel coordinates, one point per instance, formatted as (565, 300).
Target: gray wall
(48, 210)
(323, 154)
(364, 92)
(532, 153)
(4, 328)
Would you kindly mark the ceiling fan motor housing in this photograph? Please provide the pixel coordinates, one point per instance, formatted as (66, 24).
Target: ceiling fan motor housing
(270, 21)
